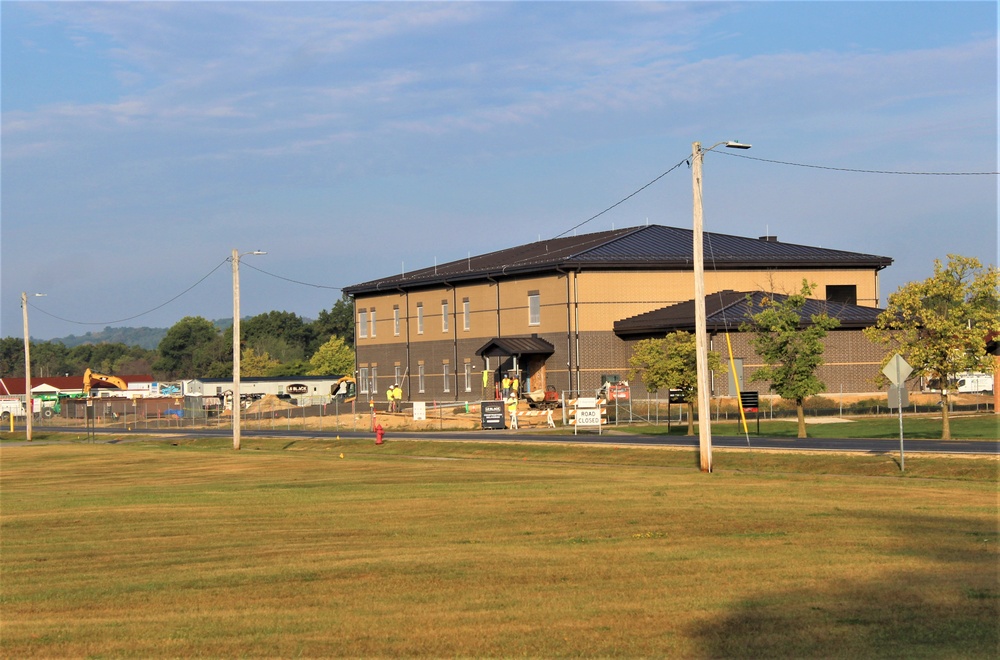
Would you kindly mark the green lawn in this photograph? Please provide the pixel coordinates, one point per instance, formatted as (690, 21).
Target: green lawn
(424, 548)
(983, 426)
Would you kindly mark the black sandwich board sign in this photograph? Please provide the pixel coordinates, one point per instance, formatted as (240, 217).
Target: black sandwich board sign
(491, 414)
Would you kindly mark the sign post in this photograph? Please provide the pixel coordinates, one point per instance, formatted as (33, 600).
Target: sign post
(897, 371)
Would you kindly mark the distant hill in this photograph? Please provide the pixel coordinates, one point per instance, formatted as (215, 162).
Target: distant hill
(148, 338)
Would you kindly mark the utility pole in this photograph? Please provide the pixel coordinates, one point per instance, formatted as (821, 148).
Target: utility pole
(236, 349)
(700, 323)
(27, 368)
(236, 345)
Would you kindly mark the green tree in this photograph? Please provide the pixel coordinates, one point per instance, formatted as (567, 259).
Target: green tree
(190, 347)
(791, 348)
(671, 363)
(263, 329)
(941, 325)
(339, 322)
(253, 363)
(334, 358)
(12, 357)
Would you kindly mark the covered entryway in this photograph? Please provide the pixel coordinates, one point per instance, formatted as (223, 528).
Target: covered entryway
(524, 356)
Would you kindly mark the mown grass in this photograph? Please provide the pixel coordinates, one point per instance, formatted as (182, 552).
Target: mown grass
(985, 426)
(424, 548)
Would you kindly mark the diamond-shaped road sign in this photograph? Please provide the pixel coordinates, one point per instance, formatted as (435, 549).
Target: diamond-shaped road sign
(897, 370)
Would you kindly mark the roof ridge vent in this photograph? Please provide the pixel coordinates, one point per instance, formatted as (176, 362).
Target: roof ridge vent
(769, 239)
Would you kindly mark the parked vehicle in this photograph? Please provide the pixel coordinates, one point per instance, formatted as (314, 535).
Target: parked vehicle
(11, 407)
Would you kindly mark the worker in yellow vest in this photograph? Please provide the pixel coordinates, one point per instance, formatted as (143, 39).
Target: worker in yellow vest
(397, 395)
(512, 409)
(515, 386)
(391, 399)
(505, 387)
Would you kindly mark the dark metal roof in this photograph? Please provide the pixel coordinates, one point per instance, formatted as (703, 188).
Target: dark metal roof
(726, 310)
(651, 246)
(506, 346)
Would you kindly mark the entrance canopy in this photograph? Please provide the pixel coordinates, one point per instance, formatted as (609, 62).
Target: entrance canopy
(516, 347)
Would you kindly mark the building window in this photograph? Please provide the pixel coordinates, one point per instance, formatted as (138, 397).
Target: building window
(371, 318)
(468, 377)
(420, 378)
(363, 380)
(395, 320)
(374, 378)
(534, 308)
(420, 318)
(842, 293)
(466, 321)
(363, 323)
(444, 316)
(446, 370)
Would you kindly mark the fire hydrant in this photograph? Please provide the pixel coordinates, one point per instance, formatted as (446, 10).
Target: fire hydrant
(379, 434)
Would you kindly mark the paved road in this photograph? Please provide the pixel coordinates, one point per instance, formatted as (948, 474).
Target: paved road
(872, 446)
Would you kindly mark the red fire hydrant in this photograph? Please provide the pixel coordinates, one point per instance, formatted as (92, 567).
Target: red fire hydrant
(379, 434)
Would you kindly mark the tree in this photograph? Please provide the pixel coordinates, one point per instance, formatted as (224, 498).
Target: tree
(265, 328)
(253, 363)
(791, 349)
(334, 358)
(671, 363)
(190, 346)
(941, 325)
(339, 321)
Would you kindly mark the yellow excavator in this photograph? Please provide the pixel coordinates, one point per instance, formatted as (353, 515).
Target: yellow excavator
(345, 389)
(90, 376)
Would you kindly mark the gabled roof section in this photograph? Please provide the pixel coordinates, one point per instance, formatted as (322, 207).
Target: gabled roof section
(507, 346)
(647, 247)
(726, 310)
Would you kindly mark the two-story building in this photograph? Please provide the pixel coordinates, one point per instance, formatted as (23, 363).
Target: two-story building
(548, 310)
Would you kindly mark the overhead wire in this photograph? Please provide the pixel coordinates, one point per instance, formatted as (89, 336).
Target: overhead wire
(148, 311)
(850, 169)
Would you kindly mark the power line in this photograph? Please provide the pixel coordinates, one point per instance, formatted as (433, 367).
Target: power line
(148, 311)
(287, 279)
(623, 200)
(849, 169)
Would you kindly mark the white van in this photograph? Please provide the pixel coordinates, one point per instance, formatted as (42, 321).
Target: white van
(974, 383)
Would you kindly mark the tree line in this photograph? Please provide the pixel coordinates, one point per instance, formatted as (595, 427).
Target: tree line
(272, 344)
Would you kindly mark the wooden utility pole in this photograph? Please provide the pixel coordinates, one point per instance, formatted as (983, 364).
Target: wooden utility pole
(700, 323)
(27, 368)
(236, 349)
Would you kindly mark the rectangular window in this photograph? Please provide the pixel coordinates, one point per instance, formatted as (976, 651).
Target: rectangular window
(374, 379)
(420, 318)
(395, 320)
(446, 369)
(399, 376)
(420, 378)
(371, 319)
(363, 380)
(444, 316)
(363, 323)
(842, 293)
(468, 377)
(534, 308)
(466, 321)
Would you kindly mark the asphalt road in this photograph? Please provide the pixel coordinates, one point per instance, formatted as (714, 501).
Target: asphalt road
(871, 446)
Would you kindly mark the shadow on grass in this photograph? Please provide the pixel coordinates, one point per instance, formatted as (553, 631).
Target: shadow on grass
(951, 610)
(904, 616)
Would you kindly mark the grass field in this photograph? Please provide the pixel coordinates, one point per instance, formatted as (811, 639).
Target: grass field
(423, 548)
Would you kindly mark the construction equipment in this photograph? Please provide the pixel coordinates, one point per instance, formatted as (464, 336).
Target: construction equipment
(345, 389)
(90, 376)
(546, 399)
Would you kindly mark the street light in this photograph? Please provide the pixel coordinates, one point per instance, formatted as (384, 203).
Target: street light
(700, 329)
(236, 343)
(29, 408)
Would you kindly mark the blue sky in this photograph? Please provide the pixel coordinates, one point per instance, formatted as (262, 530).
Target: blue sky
(142, 142)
